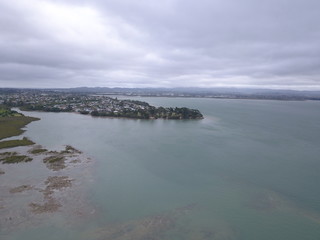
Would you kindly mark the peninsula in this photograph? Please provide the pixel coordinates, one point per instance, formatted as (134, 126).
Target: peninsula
(93, 104)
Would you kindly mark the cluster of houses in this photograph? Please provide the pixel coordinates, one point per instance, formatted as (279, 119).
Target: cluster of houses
(71, 102)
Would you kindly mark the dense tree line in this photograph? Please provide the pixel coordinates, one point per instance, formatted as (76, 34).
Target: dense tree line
(43, 108)
(7, 112)
(153, 113)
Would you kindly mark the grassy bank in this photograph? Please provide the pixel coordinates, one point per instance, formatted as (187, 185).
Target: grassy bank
(15, 143)
(13, 157)
(11, 126)
(38, 151)
(7, 112)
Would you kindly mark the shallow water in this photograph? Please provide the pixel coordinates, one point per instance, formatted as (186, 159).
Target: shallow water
(250, 170)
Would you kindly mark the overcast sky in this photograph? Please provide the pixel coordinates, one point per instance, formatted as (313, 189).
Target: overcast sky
(167, 43)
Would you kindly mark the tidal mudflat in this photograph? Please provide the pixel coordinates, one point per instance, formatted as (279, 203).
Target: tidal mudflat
(41, 185)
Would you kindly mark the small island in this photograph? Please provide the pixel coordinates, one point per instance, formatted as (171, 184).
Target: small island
(94, 105)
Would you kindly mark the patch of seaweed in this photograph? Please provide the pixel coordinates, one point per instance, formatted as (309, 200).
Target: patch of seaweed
(57, 160)
(21, 188)
(48, 207)
(13, 157)
(37, 150)
(55, 163)
(57, 183)
(51, 204)
(71, 150)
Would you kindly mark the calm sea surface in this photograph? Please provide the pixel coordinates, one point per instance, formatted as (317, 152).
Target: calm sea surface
(249, 170)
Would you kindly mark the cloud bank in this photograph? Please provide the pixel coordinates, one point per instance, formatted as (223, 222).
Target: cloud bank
(169, 43)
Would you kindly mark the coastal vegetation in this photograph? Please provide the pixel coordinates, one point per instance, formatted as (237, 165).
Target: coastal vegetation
(11, 122)
(13, 157)
(45, 200)
(15, 143)
(153, 113)
(12, 126)
(71, 150)
(53, 159)
(38, 150)
(7, 112)
(57, 160)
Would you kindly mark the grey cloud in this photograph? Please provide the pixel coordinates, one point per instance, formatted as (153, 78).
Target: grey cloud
(166, 43)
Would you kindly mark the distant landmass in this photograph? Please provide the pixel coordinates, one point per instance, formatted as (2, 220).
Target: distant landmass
(97, 105)
(229, 93)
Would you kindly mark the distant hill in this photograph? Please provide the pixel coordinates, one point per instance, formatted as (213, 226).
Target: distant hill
(234, 93)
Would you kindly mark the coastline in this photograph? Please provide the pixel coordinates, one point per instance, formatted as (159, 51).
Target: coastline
(115, 117)
(94, 105)
(13, 126)
(37, 183)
